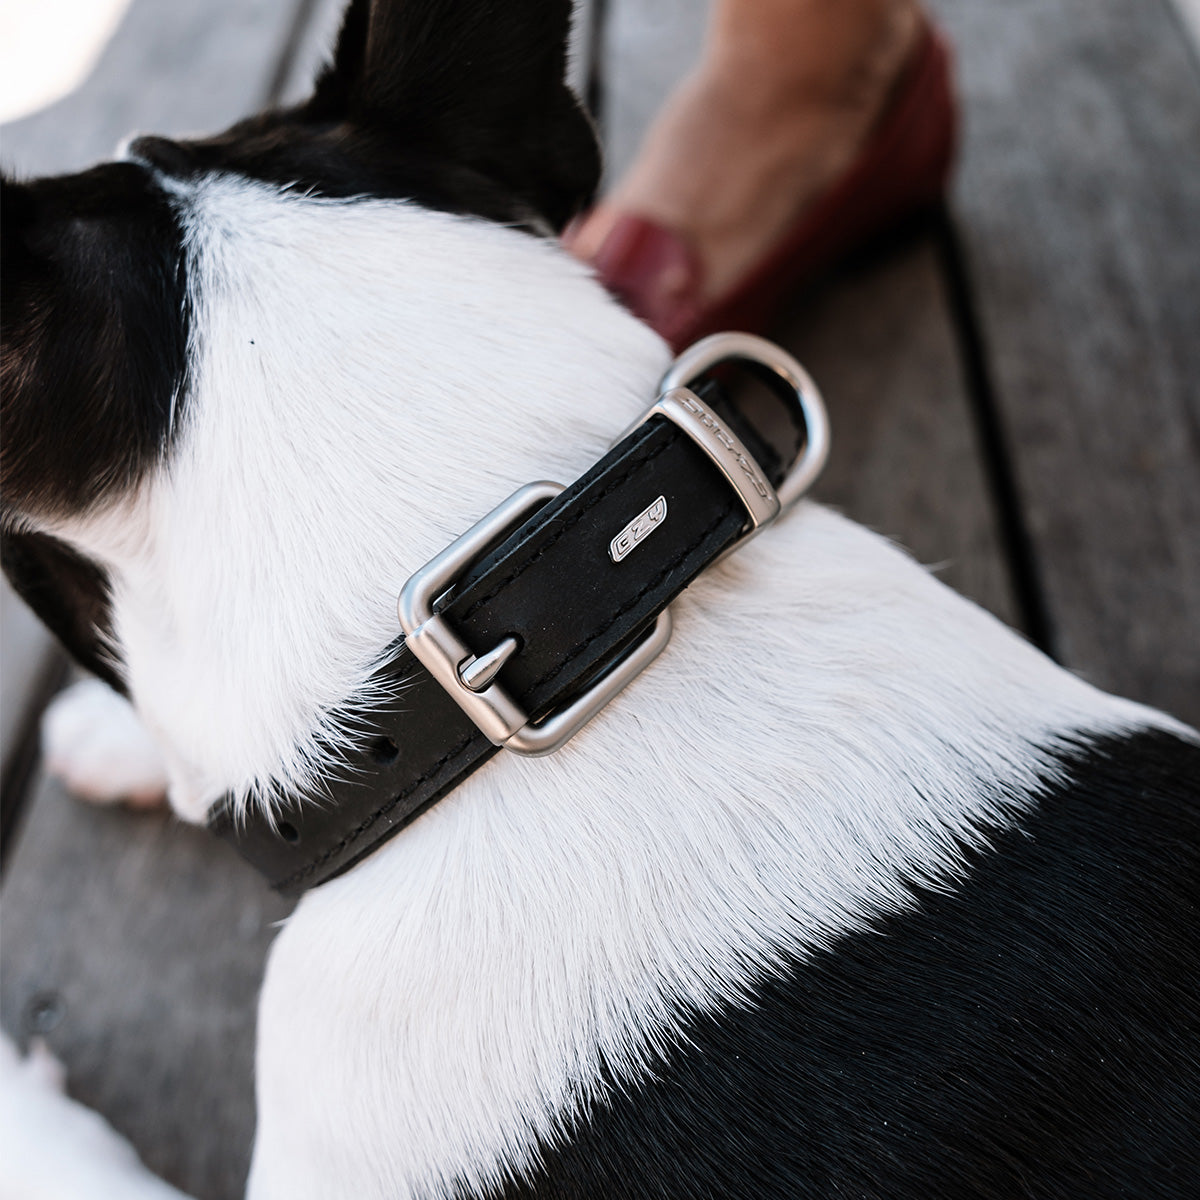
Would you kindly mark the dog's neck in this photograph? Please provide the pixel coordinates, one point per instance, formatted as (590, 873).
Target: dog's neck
(366, 380)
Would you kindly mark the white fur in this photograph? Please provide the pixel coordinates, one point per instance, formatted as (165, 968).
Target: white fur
(52, 1148)
(94, 742)
(367, 380)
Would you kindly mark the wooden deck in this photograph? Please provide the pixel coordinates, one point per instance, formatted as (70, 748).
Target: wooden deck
(1015, 394)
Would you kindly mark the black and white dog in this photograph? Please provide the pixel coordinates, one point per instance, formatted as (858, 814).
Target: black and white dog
(852, 894)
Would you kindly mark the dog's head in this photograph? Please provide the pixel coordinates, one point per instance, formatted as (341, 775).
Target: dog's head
(253, 380)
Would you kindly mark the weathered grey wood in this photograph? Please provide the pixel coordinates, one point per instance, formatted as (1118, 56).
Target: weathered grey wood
(906, 458)
(27, 655)
(1079, 201)
(314, 48)
(172, 67)
(879, 340)
(133, 944)
(1189, 14)
(649, 46)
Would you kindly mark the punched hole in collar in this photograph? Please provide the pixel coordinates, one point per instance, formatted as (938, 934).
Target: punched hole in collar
(289, 832)
(384, 751)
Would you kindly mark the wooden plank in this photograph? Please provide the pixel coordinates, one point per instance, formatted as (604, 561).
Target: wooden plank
(878, 338)
(906, 457)
(1080, 208)
(171, 67)
(648, 47)
(133, 944)
(1189, 14)
(27, 658)
(314, 42)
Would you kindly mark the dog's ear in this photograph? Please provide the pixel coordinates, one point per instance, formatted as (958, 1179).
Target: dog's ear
(480, 83)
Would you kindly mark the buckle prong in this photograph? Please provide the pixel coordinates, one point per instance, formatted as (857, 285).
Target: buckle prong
(477, 672)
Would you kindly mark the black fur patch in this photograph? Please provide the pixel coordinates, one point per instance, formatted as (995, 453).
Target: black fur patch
(1034, 1034)
(69, 594)
(95, 337)
(459, 107)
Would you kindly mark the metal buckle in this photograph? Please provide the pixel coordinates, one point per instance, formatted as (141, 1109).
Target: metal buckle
(470, 679)
(681, 405)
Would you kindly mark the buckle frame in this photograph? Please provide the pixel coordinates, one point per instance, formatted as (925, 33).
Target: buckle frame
(680, 405)
(470, 679)
(443, 653)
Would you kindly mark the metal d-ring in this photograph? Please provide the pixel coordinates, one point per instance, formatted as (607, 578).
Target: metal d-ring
(746, 347)
(471, 680)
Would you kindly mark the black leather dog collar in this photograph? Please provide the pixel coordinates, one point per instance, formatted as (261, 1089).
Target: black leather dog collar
(553, 616)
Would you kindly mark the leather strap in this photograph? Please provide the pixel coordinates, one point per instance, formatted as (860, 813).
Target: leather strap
(552, 584)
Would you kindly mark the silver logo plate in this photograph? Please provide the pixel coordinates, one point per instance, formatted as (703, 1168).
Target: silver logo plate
(638, 530)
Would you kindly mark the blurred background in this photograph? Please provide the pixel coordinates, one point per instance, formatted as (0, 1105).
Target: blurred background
(48, 49)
